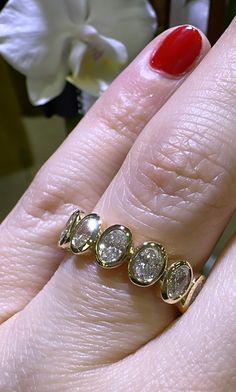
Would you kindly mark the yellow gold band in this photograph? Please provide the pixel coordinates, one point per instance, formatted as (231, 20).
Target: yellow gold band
(147, 264)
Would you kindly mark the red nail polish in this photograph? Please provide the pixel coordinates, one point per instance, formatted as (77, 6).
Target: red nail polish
(178, 51)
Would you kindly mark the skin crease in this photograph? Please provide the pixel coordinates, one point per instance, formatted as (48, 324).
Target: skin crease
(91, 329)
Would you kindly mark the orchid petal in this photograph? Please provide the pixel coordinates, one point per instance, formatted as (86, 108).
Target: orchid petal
(88, 40)
(197, 13)
(101, 62)
(131, 22)
(36, 43)
(194, 12)
(41, 91)
(88, 101)
(32, 39)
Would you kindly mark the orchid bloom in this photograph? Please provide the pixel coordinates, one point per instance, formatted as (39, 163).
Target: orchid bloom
(194, 12)
(86, 42)
(197, 13)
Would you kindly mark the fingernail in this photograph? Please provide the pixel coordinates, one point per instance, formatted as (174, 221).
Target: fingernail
(178, 51)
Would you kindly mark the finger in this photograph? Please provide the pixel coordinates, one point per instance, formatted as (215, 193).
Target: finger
(201, 343)
(174, 187)
(77, 175)
(86, 315)
(178, 185)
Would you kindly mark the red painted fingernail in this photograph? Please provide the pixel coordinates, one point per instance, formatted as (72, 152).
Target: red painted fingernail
(178, 51)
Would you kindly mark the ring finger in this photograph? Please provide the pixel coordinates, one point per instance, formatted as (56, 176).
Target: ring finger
(77, 174)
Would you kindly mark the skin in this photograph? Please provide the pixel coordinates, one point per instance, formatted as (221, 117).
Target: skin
(157, 155)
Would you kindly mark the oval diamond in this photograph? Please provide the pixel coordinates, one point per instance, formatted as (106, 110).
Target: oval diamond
(85, 234)
(177, 281)
(113, 246)
(147, 264)
(64, 241)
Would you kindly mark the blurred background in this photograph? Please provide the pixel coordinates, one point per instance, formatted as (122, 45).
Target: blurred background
(30, 133)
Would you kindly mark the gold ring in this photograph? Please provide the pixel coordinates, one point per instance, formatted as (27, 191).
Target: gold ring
(147, 264)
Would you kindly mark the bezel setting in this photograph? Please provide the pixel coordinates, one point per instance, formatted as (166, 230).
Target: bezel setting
(159, 252)
(85, 233)
(118, 248)
(65, 237)
(170, 282)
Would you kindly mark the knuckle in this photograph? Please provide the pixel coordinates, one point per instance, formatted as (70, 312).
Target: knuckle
(57, 192)
(126, 116)
(187, 167)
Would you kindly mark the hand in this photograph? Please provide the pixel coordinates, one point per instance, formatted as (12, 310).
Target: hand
(166, 168)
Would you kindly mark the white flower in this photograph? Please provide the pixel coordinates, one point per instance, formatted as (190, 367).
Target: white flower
(86, 42)
(194, 12)
(197, 13)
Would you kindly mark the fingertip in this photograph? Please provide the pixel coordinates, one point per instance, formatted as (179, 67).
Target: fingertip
(178, 51)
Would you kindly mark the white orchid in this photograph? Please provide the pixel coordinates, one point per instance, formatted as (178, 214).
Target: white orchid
(86, 42)
(194, 12)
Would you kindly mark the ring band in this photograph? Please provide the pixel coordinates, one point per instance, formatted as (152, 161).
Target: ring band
(147, 264)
